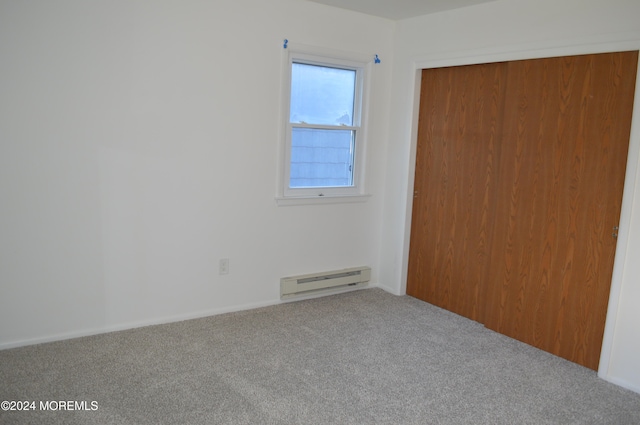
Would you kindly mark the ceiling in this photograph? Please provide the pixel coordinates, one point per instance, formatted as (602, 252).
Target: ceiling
(400, 9)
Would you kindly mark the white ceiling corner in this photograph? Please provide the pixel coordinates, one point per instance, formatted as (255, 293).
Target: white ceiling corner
(400, 9)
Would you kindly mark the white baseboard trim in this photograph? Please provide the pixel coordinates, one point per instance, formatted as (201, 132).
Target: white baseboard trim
(621, 383)
(161, 321)
(133, 325)
(391, 290)
(327, 292)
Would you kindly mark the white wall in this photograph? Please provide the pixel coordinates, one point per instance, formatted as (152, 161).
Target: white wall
(504, 30)
(138, 146)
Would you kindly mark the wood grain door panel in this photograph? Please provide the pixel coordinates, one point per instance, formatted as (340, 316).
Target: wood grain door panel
(452, 211)
(519, 174)
(562, 165)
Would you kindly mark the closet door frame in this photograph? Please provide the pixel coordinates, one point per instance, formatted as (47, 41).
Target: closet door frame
(631, 175)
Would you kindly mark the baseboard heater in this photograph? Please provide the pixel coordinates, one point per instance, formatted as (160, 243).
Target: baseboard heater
(309, 284)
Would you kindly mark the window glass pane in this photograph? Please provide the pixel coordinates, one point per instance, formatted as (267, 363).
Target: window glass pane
(322, 95)
(321, 158)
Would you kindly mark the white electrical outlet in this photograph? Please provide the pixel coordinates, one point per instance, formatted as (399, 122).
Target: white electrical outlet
(224, 266)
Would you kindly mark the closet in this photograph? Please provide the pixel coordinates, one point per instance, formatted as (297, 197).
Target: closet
(520, 168)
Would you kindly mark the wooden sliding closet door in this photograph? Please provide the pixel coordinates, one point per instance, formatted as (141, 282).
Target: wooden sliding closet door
(518, 186)
(562, 165)
(460, 120)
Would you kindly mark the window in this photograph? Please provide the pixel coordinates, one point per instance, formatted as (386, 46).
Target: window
(324, 136)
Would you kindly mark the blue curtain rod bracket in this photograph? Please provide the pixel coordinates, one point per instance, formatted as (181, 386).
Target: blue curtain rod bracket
(286, 42)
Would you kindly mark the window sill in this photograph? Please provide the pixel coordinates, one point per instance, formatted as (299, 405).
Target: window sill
(312, 200)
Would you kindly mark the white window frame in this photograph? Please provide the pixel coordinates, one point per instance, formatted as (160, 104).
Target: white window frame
(315, 56)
